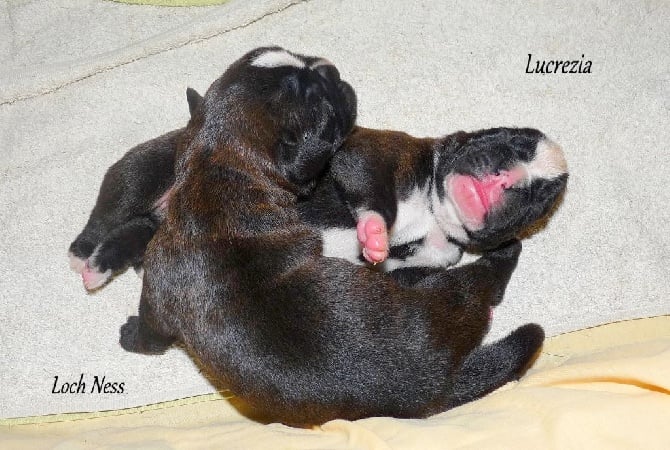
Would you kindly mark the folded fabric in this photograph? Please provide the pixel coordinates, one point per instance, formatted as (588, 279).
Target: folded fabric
(604, 387)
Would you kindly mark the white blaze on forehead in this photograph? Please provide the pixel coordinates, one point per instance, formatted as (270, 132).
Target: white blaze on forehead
(277, 58)
(320, 62)
(549, 161)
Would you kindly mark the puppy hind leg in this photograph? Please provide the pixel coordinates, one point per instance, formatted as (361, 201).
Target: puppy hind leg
(496, 266)
(371, 198)
(490, 366)
(485, 279)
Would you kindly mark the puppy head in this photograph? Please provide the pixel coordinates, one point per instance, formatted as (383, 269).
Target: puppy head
(283, 111)
(496, 183)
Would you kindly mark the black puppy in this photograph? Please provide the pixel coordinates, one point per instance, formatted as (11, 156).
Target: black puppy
(420, 202)
(236, 276)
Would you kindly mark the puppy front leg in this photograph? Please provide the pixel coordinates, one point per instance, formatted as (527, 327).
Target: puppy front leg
(302, 160)
(370, 194)
(135, 185)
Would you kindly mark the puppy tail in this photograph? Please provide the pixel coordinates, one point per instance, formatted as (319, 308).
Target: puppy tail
(490, 366)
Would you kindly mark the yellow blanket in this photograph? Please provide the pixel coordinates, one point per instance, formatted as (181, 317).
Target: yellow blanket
(605, 387)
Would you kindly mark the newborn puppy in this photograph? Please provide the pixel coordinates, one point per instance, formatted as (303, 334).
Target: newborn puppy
(420, 202)
(239, 278)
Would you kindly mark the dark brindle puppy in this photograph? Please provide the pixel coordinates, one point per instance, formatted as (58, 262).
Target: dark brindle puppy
(236, 276)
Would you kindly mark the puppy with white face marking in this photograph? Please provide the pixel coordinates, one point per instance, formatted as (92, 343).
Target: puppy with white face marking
(237, 276)
(420, 202)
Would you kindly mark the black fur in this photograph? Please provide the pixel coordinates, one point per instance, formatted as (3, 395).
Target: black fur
(236, 275)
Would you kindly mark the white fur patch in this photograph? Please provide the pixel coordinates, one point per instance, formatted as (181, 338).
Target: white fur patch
(414, 221)
(277, 58)
(549, 161)
(414, 218)
(320, 62)
(91, 275)
(76, 264)
(341, 243)
(435, 252)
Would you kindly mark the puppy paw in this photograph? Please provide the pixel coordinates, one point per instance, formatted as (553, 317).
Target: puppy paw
(93, 278)
(128, 334)
(373, 237)
(91, 275)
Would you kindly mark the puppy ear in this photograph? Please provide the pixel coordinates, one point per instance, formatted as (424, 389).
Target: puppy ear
(194, 100)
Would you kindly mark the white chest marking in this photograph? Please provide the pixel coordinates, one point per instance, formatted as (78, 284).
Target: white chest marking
(414, 218)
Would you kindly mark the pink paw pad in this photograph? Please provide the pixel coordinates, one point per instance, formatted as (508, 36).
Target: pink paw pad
(373, 237)
(92, 278)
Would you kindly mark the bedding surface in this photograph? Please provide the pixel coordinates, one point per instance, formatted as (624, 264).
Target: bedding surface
(81, 82)
(604, 387)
